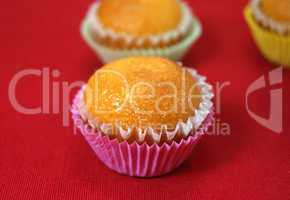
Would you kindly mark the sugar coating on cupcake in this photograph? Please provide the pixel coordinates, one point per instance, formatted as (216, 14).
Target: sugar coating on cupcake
(273, 14)
(139, 17)
(139, 23)
(145, 99)
(278, 10)
(144, 82)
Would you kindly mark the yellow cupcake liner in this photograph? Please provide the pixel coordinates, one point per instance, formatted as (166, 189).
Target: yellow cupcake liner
(174, 52)
(275, 47)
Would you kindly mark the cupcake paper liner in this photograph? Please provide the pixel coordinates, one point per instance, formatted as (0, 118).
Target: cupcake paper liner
(174, 52)
(140, 160)
(274, 46)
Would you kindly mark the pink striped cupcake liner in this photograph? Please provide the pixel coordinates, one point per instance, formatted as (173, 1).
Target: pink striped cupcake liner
(139, 160)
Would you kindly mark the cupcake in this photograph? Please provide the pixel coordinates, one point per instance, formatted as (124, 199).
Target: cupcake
(115, 29)
(269, 21)
(142, 116)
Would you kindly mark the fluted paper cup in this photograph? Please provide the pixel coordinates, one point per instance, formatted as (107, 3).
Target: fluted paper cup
(140, 160)
(273, 46)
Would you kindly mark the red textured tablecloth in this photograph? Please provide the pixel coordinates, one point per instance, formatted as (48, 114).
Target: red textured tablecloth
(41, 159)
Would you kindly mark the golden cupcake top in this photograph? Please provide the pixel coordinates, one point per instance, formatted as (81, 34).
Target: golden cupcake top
(278, 10)
(140, 17)
(142, 92)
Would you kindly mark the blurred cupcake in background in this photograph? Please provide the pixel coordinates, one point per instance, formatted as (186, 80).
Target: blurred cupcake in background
(116, 29)
(142, 116)
(269, 21)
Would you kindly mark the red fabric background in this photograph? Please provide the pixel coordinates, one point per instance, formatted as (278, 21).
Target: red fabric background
(40, 159)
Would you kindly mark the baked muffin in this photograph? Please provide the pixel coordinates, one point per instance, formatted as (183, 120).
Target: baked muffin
(116, 29)
(269, 21)
(147, 104)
